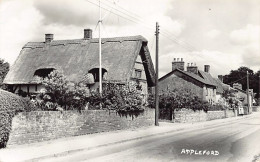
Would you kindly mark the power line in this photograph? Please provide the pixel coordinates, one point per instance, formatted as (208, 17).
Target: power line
(237, 80)
(163, 30)
(128, 16)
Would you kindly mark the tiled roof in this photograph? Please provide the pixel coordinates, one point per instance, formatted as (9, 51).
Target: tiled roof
(192, 75)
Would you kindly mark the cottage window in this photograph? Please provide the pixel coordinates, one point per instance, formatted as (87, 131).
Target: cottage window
(43, 72)
(138, 73)
(95, 72)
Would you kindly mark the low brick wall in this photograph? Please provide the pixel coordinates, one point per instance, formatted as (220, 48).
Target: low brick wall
(29, 127)
(190, 116)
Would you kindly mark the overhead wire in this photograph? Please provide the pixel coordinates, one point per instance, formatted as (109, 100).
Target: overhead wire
(237, 80)
(136, 19)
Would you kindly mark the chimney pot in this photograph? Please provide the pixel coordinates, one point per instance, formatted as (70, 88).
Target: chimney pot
(220, 77)
(181, 59)
(177, 64)
(206, 68)
(87, 33)
(48, 38)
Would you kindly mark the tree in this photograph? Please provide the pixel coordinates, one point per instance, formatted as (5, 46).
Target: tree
(239, 76)
(4, 68)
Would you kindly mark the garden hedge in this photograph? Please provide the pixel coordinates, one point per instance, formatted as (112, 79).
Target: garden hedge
(10, 104)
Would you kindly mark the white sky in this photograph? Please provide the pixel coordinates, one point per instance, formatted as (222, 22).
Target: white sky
(222, 33)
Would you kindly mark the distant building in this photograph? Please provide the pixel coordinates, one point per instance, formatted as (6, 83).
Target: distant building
(200, 82)
(124, 60)
(242, 95)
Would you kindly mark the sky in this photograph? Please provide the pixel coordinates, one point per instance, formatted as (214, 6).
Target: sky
(224, 34)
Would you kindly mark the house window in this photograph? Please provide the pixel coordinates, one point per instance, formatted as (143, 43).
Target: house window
(43, 72)
(95, 72)
(138, 73)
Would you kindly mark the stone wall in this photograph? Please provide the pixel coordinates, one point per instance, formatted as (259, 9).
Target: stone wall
(30, 127)
(256, 108)
(211, 115)
(190, 116)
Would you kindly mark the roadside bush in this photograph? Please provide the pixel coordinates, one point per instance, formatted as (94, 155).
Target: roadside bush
(11, 104)
(122, 98)
(177, 99)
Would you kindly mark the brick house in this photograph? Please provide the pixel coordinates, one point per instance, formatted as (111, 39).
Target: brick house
(124, 60)
(200, 82)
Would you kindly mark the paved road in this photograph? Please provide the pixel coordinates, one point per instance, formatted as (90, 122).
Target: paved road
(238, 141)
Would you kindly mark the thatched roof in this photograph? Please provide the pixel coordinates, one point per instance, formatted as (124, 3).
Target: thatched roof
(76, 57)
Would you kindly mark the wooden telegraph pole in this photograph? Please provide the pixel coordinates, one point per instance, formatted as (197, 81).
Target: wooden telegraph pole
(259, 92)
(99, 42)
(247, 90)
(156, 76)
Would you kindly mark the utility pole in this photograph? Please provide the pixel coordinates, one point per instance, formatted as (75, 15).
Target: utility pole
(259, 92)
(247, 90)
(156, 76)
(100, 64)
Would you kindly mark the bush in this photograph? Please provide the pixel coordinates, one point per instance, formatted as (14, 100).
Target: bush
(62, 93)
(122, 98)
(10, 105)
(177, 99)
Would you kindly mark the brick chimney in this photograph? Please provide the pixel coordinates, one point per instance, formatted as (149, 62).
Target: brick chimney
(220, 77)
(178, 64)
(87, 33)
(192, 68)
(206, 68)
(48, 38)
(237, 86)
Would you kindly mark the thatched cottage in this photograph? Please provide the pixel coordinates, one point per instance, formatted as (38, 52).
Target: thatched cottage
(124, 60)
(200, 82)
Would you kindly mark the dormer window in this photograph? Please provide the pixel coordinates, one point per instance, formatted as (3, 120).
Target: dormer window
(95, 72)
(43, 73)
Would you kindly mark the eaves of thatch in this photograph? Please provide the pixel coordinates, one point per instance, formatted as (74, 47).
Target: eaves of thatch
(76, 57)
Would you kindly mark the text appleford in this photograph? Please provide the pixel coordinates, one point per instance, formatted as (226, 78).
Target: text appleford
(199, 152)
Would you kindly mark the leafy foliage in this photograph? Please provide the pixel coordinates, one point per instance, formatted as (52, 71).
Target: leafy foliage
(122, 98)
(63, 93)
(4, 68)
(10, 105)
(178, 99)
(118, 97)
(239, 76)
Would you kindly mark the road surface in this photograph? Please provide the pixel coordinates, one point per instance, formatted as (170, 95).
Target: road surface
(237, 141)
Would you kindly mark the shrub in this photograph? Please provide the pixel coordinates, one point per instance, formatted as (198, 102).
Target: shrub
(62, 93)
(10, 105)
(177, 99)
(122, 98)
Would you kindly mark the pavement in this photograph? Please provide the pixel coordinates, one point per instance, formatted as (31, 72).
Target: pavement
(63, 146)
